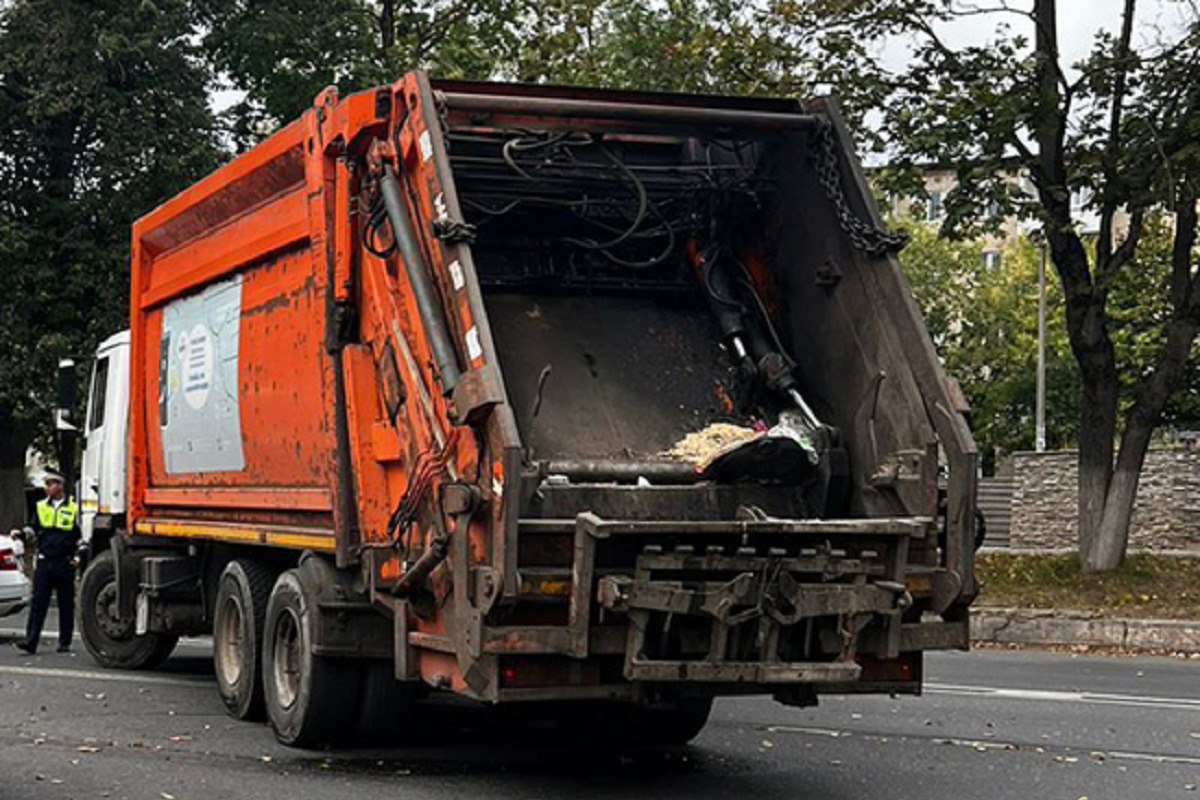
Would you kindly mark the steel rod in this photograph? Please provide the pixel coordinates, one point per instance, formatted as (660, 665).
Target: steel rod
(633, 112)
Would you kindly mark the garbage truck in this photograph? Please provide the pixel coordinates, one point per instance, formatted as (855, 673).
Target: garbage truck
(541, 396)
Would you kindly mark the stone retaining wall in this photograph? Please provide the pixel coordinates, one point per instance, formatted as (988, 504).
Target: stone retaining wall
(1166, 515)
(1035, 626)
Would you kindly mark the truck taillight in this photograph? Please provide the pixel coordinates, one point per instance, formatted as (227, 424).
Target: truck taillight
(8, 560)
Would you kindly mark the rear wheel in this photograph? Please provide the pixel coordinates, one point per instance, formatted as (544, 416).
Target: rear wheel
(109, 638)
(310, 700)
(678, 725)
(241, 608)
(389, 712)
(621, 725)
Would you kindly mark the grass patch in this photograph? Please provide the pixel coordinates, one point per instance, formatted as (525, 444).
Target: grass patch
(1144, 586)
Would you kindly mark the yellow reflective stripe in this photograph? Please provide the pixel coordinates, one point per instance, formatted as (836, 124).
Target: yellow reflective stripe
(185, 529)
(230, 533)
(301, 540)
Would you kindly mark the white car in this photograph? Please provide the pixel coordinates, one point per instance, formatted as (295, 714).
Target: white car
(14, 586)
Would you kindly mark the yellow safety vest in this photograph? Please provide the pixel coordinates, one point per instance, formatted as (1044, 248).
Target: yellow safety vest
(62, 518)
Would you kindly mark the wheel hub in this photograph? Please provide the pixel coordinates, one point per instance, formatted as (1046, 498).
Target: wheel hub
(108, 615)
(228, 641)
(287, 658)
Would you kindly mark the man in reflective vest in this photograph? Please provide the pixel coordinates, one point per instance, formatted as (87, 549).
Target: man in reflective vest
(56, 526)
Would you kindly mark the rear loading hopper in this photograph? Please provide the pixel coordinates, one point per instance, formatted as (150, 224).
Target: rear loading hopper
(565, 394)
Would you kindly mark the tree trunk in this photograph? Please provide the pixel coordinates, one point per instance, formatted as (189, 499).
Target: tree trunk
(1108, 545)
(1098, 382)
(1098, 393)
(387, 25)
(13, 444)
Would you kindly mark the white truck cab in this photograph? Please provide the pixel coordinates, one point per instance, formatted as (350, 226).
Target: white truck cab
(102, 476)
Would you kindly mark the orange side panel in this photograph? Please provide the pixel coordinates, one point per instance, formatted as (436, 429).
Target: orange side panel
(280, 389)
(257, 223)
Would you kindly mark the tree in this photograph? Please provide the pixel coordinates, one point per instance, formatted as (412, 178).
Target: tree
(1122, 126)
(103, 114)
(707, 46)
(983, 321)
(282, 53)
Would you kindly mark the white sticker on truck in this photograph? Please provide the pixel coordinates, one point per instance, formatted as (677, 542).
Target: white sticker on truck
(198, 411)
(474, 347)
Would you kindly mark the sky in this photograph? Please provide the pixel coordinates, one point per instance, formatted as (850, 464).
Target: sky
(1078, 23)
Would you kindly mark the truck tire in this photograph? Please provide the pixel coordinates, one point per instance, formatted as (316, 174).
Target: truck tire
(623, 725)
(311, 700)
(678, 725)
(241, 609)
(110, 640)
(628, 724)
(388, 708)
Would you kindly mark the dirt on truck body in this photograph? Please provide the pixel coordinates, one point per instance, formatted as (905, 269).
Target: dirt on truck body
(412, 384)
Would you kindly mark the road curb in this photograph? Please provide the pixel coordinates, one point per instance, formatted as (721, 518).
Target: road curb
(1039, 626)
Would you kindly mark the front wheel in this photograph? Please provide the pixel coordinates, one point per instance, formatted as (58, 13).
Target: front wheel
(110, 639)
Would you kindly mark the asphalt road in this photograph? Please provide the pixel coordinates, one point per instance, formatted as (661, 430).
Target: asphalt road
(991, 725)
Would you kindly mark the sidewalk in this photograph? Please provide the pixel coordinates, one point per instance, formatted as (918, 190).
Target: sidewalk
(1064, 627)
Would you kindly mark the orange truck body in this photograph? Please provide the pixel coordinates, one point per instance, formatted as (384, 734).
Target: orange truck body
(286, 398)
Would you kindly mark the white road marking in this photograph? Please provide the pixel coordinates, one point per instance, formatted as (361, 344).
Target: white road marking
(95, 675)
(1158, 759)
(988, 745)
(187, 641)
(1045, 695)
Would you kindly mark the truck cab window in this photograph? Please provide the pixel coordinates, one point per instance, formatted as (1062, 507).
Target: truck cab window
(99, 393)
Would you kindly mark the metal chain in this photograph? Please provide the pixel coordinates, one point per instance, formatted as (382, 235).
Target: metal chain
(863, 235)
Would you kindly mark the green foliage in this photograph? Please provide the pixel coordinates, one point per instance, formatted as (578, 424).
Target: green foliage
(984, 324)
(706, 46)
(282, 53)
(103, 114)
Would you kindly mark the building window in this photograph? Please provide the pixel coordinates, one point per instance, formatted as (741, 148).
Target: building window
(933, 206)
(991, 259)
